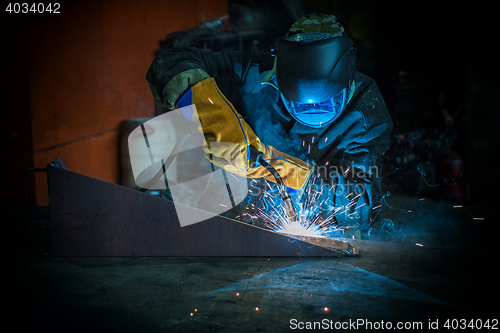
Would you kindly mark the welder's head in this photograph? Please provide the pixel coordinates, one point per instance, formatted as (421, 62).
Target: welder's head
(315, 66)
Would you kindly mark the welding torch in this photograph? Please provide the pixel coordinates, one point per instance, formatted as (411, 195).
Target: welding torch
(288, 205)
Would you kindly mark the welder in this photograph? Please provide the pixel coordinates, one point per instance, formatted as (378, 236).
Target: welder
(303, 107)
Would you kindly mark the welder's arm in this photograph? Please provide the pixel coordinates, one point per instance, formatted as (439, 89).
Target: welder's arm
(357, 190)
(365, 138)
(176, 69)
(228, 137)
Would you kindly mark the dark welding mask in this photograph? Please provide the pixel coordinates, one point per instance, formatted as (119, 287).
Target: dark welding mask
(315, 76)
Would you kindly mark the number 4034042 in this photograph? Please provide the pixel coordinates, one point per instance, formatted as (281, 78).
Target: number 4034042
(36, 8)
(471, 324)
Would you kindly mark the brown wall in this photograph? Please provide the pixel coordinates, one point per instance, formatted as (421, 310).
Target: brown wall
(86, 72)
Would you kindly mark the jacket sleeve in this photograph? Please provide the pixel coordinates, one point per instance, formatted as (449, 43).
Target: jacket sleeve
(368, 137)
(175, 70)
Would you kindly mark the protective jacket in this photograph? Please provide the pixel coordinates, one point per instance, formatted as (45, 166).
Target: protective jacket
(345, 152)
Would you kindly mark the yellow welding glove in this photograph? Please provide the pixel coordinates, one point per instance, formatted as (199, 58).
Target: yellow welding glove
(221, 123)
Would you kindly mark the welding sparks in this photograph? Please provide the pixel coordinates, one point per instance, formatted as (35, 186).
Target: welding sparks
(310, 219)
(302, 224)
(297, 229)
(307, 222)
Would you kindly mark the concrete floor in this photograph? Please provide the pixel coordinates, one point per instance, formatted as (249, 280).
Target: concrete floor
(453, 275)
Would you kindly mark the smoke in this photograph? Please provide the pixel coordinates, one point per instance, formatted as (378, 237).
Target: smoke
(423, 218)
(269, 129)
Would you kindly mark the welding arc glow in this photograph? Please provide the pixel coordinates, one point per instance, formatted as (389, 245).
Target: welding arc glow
(308, 221)
(296, 228)
(276, 219)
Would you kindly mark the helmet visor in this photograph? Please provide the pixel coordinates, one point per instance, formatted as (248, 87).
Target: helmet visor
(317, 114)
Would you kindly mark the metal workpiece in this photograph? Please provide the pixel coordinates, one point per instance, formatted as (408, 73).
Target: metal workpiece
(341, 246)
(91, 217)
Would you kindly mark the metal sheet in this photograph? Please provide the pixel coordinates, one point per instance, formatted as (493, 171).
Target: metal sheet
(91, 217)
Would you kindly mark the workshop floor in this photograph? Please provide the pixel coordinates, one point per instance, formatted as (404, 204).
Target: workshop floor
(453, 275)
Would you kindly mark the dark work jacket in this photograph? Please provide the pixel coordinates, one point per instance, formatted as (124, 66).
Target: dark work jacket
(345, 152)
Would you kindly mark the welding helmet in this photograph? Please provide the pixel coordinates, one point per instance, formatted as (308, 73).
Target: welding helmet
(315, 67)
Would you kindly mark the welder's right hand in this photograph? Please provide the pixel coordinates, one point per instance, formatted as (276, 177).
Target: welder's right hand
(228, 139)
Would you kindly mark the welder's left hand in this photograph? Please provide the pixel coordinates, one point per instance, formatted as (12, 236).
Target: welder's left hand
(228, 139)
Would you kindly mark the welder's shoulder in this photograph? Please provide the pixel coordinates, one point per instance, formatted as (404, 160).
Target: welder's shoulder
(252, 67)
(372, 123)
(369, 101)
(176, 69)
(252, 63)
(175, 60)
(365, 86)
